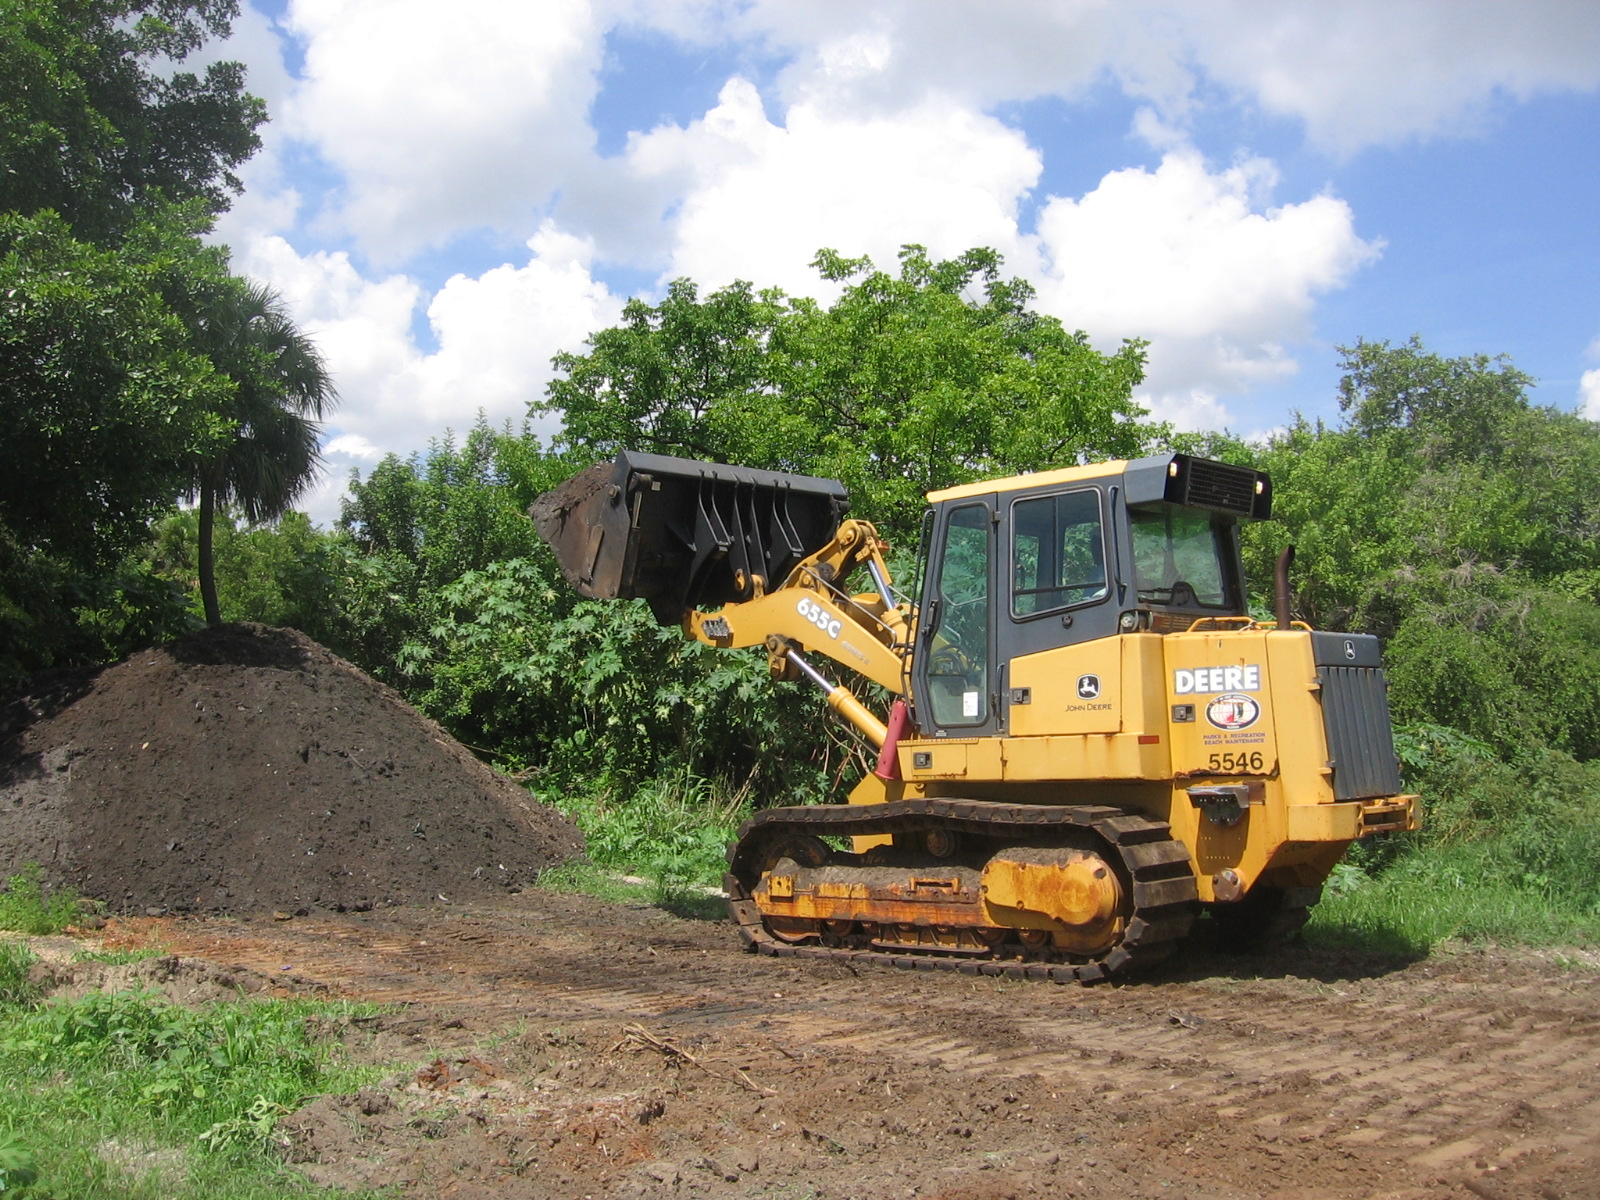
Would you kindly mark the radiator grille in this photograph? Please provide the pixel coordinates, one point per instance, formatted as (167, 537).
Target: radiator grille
(1219, 487)
(1355, 715)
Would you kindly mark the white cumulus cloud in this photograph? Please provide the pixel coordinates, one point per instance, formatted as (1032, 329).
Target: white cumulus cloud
(495, 335)
(1372, 71)
(1589, 394)
(1221, 281)
(441, 120)
(761, 198)
(1359, 73)
(408, 127)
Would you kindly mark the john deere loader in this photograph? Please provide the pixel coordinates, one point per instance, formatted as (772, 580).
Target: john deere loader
(1088, 737)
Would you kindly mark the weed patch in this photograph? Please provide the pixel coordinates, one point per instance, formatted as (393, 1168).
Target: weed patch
(673, 832)
(25, 906)
(584, 877)
(131, 1095)
(1476, 892)
(118, 958)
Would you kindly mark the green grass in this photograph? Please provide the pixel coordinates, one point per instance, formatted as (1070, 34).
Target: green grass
(582, 876)
(25, 906)
(673, 832)
(1509, 854)
(1478, 893)
(129, 1096)
(15, 960)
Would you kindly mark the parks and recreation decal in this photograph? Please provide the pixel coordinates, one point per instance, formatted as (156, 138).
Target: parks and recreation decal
(1230, 708)
(1233, 710)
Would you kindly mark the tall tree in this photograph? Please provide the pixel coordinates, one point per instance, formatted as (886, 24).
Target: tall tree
(113, 160)
(281, 389)
(98, 121)
(937, 375)
(102, 394)
(942, 374)
(103, 400)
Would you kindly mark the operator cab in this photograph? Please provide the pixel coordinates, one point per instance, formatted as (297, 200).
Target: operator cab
(1021, 566)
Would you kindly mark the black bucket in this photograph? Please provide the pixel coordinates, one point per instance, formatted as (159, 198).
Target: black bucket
(680, 533)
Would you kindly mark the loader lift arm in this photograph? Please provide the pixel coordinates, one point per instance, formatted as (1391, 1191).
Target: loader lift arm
(810, 612)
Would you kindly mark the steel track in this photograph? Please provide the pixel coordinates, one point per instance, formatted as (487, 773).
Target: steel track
(1165, 900)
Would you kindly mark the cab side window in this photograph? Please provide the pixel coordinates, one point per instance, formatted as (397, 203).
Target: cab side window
(1058, 555)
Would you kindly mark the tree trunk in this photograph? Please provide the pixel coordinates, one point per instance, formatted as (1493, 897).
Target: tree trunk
(208, 566)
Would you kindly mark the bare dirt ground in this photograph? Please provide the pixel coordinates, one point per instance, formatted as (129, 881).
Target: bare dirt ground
(557, 1046)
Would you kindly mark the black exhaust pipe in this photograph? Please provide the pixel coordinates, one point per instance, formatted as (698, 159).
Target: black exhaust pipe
(1280, 583)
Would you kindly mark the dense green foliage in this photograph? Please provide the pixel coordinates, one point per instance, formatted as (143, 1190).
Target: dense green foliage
(94, 123)
(133, 368)
(1461, 523)
(906, 383)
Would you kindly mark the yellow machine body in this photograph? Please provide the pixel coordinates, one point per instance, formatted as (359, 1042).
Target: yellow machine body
(1090, 739)
(1253, 721)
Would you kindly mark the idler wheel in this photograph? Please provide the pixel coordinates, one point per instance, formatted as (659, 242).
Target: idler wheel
(1078, 890)
(791, 929)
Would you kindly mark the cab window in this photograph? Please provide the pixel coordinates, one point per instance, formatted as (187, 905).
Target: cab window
(958, 656)
(1057, 553)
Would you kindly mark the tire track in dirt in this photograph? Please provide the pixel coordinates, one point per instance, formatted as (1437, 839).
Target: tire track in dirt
(1431, 1072)
(1437, 1090)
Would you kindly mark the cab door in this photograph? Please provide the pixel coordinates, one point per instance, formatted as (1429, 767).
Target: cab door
(954, 677)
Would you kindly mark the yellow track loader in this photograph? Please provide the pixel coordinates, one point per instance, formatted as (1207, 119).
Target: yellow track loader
(1088, 738)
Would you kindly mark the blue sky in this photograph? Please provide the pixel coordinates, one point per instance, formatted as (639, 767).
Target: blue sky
(447, 197)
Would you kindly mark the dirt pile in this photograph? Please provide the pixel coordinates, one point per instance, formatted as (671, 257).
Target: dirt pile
(245, 769)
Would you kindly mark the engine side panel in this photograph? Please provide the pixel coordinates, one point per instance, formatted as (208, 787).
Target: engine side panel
(1223, 734)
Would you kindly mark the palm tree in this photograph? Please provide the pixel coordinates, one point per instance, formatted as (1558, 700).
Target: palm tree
(282, 389)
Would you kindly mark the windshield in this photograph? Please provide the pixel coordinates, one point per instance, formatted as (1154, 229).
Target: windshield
(1178, 559)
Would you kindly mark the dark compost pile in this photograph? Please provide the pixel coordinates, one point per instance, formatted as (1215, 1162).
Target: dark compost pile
(243, 769)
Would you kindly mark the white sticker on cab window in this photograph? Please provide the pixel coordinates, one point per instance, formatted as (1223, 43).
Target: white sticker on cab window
(969, 704)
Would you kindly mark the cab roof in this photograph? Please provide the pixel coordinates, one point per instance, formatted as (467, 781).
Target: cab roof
(1179, 480)
(1101, 470)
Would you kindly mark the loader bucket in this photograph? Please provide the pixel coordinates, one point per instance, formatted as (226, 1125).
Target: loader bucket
(680, 533)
